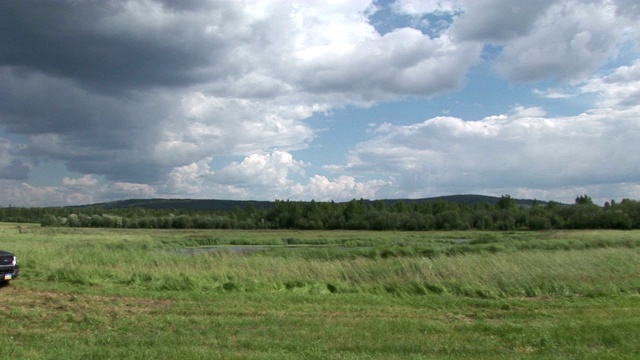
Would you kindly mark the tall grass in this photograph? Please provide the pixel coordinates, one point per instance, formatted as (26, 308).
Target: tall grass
(490, 265)
(130, 294)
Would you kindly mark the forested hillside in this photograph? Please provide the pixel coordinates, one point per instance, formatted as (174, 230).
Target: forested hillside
(228, 205)
(505, 213)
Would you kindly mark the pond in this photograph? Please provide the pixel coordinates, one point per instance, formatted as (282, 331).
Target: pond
(248, 249)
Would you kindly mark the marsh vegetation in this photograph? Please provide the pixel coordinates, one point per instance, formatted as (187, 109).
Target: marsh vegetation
(137, 294)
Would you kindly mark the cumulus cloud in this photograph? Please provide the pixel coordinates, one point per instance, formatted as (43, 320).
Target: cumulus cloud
(188, 179)
(71, 191)
(12, 165)
(86, 180)
(420, 7)
(264, 170)
(271, 176)
(90, 132)
(16, 170)
(629, 8)
(342, 188)
(554, 93)
(402, 62)
(146, 98)
(118, 46)
(22, 194)
(568, 42)
(204, 126)
(561, 39)
(518, 151)
(132, 90)
(618, 90)
(498, 21)
(125, 190)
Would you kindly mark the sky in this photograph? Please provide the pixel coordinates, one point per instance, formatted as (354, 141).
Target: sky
(325, 100)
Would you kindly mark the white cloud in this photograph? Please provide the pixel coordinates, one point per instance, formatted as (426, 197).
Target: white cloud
(528, 112)
(554, 93)
(498, 21)
(22, 194)
(444, 155)
(420, 7)
(85, 180)
(149, 93)
(220, 78)
(629, 8)
(270, 171)
(188, 180)
(86, 189)
(618, 90)
(205, 126)
(126, 190)
(273, 65)
(268, 177)
(402, 62)
(570, 41)
(341, 189)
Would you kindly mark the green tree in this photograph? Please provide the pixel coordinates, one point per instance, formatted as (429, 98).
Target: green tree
(506, 203)
(584, 200)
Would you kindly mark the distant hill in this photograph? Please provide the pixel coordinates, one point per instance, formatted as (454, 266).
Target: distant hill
(463, 199)
(227, 205)
(180, 204)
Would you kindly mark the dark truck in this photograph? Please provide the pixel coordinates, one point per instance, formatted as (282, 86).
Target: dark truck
(9, 268)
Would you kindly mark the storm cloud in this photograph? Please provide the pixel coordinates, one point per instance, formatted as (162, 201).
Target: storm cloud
(151, 98)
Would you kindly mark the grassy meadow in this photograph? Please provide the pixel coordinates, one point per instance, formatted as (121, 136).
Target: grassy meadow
(206, 294)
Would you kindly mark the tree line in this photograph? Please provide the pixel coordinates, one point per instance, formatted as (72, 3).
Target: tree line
(505, 214)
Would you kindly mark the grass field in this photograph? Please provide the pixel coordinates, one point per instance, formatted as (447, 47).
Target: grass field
(144, 294)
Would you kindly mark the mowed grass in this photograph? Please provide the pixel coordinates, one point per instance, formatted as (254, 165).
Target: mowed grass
(135, 294)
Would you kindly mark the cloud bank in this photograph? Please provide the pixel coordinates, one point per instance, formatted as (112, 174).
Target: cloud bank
(214, 99)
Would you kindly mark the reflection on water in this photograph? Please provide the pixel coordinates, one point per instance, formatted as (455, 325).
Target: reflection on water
(247, 249)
